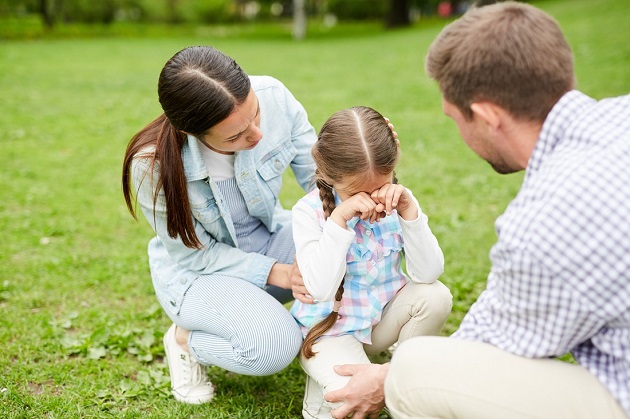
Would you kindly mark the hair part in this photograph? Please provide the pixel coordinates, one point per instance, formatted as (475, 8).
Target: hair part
(197, 88)
(511, 54)
(353, 143)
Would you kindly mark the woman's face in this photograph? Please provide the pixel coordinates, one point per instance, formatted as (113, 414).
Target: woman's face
(239, 131)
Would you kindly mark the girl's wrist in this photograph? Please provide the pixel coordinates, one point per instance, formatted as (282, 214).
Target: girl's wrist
(338, 218)
(410, 213)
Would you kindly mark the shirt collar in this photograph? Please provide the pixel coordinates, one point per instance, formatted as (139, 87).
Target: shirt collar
(554, 128)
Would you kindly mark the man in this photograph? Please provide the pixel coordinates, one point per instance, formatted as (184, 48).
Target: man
(560, 277)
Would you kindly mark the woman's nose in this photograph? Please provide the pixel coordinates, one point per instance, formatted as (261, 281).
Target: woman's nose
(255, 135)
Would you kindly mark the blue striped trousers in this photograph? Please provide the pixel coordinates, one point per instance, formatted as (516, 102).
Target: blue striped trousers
(239, 327)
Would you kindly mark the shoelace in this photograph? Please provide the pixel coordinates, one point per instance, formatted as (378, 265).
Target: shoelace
(193, 371)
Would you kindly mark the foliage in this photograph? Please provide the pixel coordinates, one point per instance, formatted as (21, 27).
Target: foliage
(80, 331)
(358, 9)
(195, 11)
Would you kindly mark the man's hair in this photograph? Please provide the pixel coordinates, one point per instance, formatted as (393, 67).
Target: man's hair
(511, 54)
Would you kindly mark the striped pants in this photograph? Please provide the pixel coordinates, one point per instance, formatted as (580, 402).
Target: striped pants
(239, 327)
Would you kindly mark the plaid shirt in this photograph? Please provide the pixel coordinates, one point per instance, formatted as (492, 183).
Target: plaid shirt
(373, 276)
(560, 277)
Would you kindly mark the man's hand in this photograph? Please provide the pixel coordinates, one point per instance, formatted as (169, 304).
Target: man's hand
(364, 394)
(300, 292)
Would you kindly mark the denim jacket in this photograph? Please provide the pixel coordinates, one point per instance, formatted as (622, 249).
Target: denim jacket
(287, 140)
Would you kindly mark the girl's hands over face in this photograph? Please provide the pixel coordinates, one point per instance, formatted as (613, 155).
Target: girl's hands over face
(360, 205)
(395, 197)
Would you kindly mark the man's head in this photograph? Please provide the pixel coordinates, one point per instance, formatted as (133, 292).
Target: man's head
(511, 54)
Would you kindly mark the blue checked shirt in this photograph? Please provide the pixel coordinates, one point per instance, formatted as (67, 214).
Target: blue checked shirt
(560, 277)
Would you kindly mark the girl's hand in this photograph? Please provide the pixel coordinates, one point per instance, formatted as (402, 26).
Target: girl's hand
(395, 197)
(359, 205)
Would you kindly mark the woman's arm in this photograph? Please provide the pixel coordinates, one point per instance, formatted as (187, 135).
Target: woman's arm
(214, 256)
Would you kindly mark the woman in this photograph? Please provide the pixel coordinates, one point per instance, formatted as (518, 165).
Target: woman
(206, 174)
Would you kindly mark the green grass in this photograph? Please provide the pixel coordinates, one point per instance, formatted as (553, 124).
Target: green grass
(80, 330)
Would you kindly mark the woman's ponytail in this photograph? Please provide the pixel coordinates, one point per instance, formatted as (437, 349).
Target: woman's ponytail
(173, 182)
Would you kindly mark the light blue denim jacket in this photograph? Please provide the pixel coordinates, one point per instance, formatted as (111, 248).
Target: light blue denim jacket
(287, 140)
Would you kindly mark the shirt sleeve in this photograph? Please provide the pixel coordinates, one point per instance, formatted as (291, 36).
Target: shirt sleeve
(556, 280)
(214, 256)
(528, 310)
(423, 255)
(321, 254)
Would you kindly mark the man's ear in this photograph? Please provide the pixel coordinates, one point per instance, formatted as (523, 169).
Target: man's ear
(488, 112)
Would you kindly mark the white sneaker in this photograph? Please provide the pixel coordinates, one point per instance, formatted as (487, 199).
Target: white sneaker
(189, 380)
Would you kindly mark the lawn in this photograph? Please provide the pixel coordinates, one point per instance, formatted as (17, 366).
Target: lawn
(80, 329)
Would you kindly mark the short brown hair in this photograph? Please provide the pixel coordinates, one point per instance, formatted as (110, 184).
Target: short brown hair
(509, 53)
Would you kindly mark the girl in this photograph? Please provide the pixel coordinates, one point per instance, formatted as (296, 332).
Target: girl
(207, 174)
(350, 235)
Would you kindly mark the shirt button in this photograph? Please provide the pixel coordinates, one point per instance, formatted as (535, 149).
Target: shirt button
(277, 164)
(368, 232)
(182, 281)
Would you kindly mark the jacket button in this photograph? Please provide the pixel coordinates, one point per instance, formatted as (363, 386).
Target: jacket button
(182, 281)
(278, 165)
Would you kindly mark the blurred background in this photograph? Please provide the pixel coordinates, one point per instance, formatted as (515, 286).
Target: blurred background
(31, 17)
(80, 327)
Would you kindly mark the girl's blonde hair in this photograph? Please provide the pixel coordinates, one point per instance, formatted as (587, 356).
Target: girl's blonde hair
(354, 143)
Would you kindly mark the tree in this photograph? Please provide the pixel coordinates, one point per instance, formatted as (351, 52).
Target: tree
(49, 10)
(299, 19)
(398, 14)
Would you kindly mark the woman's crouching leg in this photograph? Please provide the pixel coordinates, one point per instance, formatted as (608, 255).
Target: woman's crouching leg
(238, 326)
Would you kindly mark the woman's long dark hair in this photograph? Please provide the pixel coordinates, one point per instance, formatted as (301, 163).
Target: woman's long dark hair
(353, 143)
(198, 88)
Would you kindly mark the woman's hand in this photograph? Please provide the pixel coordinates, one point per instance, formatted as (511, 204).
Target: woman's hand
(289, 277)
(280, 275)
(300, 292)
(395, 197)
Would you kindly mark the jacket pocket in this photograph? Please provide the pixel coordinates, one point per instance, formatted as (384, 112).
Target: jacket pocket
(206, 212)
(275, 162)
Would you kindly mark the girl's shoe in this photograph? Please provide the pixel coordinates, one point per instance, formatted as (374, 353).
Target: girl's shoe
(189, 380)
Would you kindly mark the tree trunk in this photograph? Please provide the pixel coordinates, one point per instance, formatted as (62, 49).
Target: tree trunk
(398, 14)
(299, 19)
(47, 10)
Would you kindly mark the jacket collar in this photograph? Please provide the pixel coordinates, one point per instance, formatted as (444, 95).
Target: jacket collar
(194, 165)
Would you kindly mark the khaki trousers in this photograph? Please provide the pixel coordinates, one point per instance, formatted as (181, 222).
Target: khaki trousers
(438, 377)
(416, 310)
